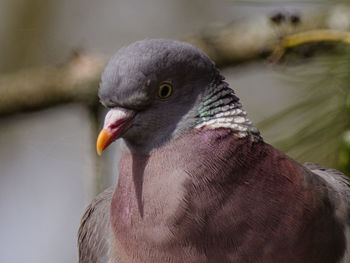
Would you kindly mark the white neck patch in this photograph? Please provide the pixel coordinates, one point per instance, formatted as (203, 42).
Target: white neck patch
(221, 109)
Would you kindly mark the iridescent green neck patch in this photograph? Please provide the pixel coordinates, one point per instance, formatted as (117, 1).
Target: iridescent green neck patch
(220, 108)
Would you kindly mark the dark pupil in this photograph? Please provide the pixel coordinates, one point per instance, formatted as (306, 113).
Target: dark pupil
(165, 91)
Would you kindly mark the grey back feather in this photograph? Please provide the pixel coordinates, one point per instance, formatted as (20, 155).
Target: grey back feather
(339, 181)
(94, 232)
(339, 193)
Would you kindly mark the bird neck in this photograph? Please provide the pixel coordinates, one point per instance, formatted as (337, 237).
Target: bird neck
(220, 108)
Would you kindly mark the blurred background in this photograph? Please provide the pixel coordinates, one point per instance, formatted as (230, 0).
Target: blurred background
(51, 57)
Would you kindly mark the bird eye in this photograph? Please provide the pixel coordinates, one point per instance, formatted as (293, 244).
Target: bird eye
(165, 90)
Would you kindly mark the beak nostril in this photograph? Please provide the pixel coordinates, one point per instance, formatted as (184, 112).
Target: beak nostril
(117, 123)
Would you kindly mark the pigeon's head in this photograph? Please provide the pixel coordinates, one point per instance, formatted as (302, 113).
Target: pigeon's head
(153, 89)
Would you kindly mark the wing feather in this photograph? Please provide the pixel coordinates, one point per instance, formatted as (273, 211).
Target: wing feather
(339, 181)
(94, 231)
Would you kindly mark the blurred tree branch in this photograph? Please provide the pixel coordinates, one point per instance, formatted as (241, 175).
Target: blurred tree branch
(232, 44)
(38, 88)
(312, 36)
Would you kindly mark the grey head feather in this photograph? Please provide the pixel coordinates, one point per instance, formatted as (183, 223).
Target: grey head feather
(132, 78)
(134, 73)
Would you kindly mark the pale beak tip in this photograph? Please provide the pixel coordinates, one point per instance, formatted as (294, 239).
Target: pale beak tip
(99, 152)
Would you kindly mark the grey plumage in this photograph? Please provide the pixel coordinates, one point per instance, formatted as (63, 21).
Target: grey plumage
(94, 233)
(197, 183)
(339, 186)
(138, 70)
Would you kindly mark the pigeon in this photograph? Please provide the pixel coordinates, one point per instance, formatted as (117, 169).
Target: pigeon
(197, 182)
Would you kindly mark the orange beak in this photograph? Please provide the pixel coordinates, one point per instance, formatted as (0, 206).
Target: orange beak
(116, 123)
(103, 140)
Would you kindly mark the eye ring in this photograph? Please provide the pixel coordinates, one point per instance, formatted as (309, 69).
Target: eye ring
(165, 90)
